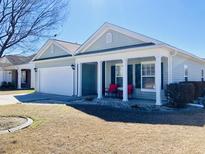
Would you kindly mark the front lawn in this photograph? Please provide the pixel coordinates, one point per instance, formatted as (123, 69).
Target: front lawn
(95, 129)
(13, 92)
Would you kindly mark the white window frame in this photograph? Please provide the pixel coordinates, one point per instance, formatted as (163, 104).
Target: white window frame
(121, 65)
(144, 89)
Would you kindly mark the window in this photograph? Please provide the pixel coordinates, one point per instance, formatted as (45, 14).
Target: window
(109, 38)
(186, 72)
(148, 76)
(119, 75)
(202, 75)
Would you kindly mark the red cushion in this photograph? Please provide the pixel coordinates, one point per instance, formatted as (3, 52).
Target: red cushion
(130, 89)
(112, 88)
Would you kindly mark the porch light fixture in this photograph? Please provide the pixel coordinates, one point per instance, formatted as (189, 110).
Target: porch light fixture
(35, 69)
(72, 66)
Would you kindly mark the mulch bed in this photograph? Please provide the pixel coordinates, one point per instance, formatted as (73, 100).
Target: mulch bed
(10, 122)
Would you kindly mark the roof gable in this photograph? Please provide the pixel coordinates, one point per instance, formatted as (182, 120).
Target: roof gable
(55, 49)
(121, 37)
(117, 40)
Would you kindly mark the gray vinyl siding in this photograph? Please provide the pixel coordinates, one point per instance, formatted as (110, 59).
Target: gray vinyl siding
(55, 63)
(194, 69)
(119, 40)
(137, 92)
(53, 51)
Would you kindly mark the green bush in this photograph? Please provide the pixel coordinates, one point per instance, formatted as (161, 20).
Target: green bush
(199, 88)
(8, 85)
(180, 94)
(4, 84)
(11, 85)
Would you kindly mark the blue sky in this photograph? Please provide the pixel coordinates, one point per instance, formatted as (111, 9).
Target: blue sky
(178, 22)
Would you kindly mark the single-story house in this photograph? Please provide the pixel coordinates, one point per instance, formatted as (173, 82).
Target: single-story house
(114, 55)
(18, 70)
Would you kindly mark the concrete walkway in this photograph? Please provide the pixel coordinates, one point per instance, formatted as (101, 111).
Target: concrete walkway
(8, 99)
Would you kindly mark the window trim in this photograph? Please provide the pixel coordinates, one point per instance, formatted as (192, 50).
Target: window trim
(121, 65)
(144, 89)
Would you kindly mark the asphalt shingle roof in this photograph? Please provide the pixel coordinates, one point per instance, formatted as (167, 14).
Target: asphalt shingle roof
(9, 60)
(70, 46)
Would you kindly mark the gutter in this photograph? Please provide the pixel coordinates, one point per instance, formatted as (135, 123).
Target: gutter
(49, 58)
(119, 51)
(176, 50)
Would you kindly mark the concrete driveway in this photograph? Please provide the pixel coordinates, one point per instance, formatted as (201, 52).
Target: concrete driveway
(35, 98)
(43, 98)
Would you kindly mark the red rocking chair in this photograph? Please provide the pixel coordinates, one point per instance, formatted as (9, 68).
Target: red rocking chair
(130, 90)
(112, 90)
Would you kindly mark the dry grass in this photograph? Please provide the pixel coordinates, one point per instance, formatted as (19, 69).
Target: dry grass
(63, 129)
(14, 92)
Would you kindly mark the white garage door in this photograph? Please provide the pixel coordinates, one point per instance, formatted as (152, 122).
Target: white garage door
(56, 80)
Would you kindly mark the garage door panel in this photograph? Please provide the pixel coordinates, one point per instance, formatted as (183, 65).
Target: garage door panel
(56, 80)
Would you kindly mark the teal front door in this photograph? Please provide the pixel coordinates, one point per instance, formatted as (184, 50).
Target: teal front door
(89, 79)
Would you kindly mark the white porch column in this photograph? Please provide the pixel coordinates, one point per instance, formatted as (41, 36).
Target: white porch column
(99, 79)
(76, 79)
(19, 78)
(79, 79)
(73, 81)
(32, 78)
(125, 80)
(37, 79)
(169, 69)
(158, 79)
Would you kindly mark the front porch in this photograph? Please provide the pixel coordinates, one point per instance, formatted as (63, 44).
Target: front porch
(148, 75)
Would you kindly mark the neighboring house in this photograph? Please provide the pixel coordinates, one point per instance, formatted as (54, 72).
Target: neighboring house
(17, 69)
(114, 55)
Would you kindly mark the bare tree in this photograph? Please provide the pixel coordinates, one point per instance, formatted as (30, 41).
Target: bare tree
(24, 21)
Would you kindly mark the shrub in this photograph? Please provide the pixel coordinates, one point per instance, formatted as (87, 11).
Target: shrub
(199, 88)
(4, 84)
(8, 85)
(180, 94)
(11, 85)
